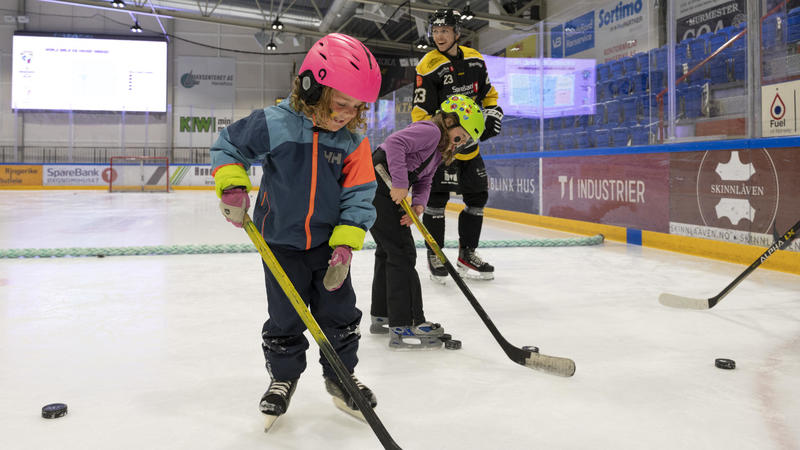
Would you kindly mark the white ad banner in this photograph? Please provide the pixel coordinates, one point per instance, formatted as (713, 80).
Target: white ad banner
(722, 234)
(180, 175)
(74, 175)
(612, 31)
(199, 127)
(779, 109)
(205, 81)
(200, 175)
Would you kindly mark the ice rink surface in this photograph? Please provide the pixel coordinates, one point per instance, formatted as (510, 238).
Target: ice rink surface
(163, 352)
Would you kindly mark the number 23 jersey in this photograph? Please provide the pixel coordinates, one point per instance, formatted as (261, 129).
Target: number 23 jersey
(439, 76)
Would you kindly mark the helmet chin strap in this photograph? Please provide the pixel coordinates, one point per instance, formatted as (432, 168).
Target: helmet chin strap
(448, 48)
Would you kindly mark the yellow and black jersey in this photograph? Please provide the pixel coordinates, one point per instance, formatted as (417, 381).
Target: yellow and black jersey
(440, 76)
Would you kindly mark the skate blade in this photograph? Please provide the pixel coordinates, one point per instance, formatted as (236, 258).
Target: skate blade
(432, 343)
(353, 412)
(439, 280)
(467, 273)
(379, 329)
(269, 422)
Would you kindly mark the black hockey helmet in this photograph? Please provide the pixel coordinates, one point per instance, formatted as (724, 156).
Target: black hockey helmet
(444, 17)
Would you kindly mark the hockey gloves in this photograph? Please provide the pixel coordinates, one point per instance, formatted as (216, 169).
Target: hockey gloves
(338, 267)
(494, 121)
(234, 204)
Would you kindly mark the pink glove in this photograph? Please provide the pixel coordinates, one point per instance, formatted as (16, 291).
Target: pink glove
(338, 267)
(234, 204)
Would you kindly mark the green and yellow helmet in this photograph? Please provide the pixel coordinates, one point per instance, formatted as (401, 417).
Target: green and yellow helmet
(469, 114)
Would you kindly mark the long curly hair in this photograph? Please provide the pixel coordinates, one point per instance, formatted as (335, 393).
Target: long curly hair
(323, 107)
(445, 121)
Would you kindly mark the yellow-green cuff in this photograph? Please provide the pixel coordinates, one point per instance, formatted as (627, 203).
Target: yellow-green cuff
(347, 235)
(231, 175)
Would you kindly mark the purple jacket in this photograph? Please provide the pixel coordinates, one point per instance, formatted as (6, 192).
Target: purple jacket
(406, 150)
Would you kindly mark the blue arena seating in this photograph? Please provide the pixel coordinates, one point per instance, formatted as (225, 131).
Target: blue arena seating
(793, 25)
(600, 137)
(629, 109)
(582, 138)
(613, 112)
(619, 136)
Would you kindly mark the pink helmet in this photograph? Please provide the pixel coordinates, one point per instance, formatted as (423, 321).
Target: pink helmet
(343, 63)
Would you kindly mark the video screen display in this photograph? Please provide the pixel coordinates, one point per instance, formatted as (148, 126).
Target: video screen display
(543, 87)
(58, 71)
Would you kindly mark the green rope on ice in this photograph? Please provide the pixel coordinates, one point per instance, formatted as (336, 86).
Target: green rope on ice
(248, 248)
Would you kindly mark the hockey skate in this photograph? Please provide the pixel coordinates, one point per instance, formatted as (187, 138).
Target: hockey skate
(379, 325)
(275, 401)
(438, 271)
(470, 265)
(426, 335)
(343, 400)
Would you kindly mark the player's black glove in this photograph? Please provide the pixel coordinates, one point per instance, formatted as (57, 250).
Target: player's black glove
(494, 121)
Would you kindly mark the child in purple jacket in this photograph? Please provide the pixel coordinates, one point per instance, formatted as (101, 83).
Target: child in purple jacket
(411, 157)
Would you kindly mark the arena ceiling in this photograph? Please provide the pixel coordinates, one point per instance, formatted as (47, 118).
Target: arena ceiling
(392, 24)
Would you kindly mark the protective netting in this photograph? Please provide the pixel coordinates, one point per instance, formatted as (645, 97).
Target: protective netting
(249, 248)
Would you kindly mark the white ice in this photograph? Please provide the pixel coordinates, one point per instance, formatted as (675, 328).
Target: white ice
(163, 352)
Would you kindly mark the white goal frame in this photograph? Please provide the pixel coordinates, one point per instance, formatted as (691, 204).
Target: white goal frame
(138, 174)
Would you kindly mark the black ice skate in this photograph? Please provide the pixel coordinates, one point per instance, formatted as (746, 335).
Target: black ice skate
(275, 401)
(343, 400)
(438, 271)
(470, 265)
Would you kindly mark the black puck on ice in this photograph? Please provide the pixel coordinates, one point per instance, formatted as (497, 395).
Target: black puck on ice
(54, 410)
(531, 348)
(445, 337)
(724, 363)
(452, 344)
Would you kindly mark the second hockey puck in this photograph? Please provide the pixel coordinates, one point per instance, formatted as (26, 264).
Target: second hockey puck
(445, 337)
(531, 348)
(452, 344)
(724, 363)
(54, 410)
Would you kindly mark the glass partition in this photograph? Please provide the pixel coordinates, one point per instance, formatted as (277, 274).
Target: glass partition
(627, 74)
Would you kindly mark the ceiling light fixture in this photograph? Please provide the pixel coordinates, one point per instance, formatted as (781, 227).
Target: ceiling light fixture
(422, 43)
(117, 4)
(277, 24)
(467, 13)
(136, 28)
(271, 46)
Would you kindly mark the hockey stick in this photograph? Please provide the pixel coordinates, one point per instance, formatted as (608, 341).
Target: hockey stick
(553, 365)
(315, 330)
(677, 301)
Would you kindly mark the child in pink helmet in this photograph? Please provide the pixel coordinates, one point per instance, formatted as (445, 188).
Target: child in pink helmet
(313, 207)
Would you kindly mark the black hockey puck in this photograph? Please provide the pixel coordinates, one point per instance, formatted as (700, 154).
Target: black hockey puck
(452, 344)
(445, 337)
(100, 255)
(531, 348)
(54, 410)
(724, 363)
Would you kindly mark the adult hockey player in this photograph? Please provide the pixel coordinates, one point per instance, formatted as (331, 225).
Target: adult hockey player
(448, 70)
(314, 206)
